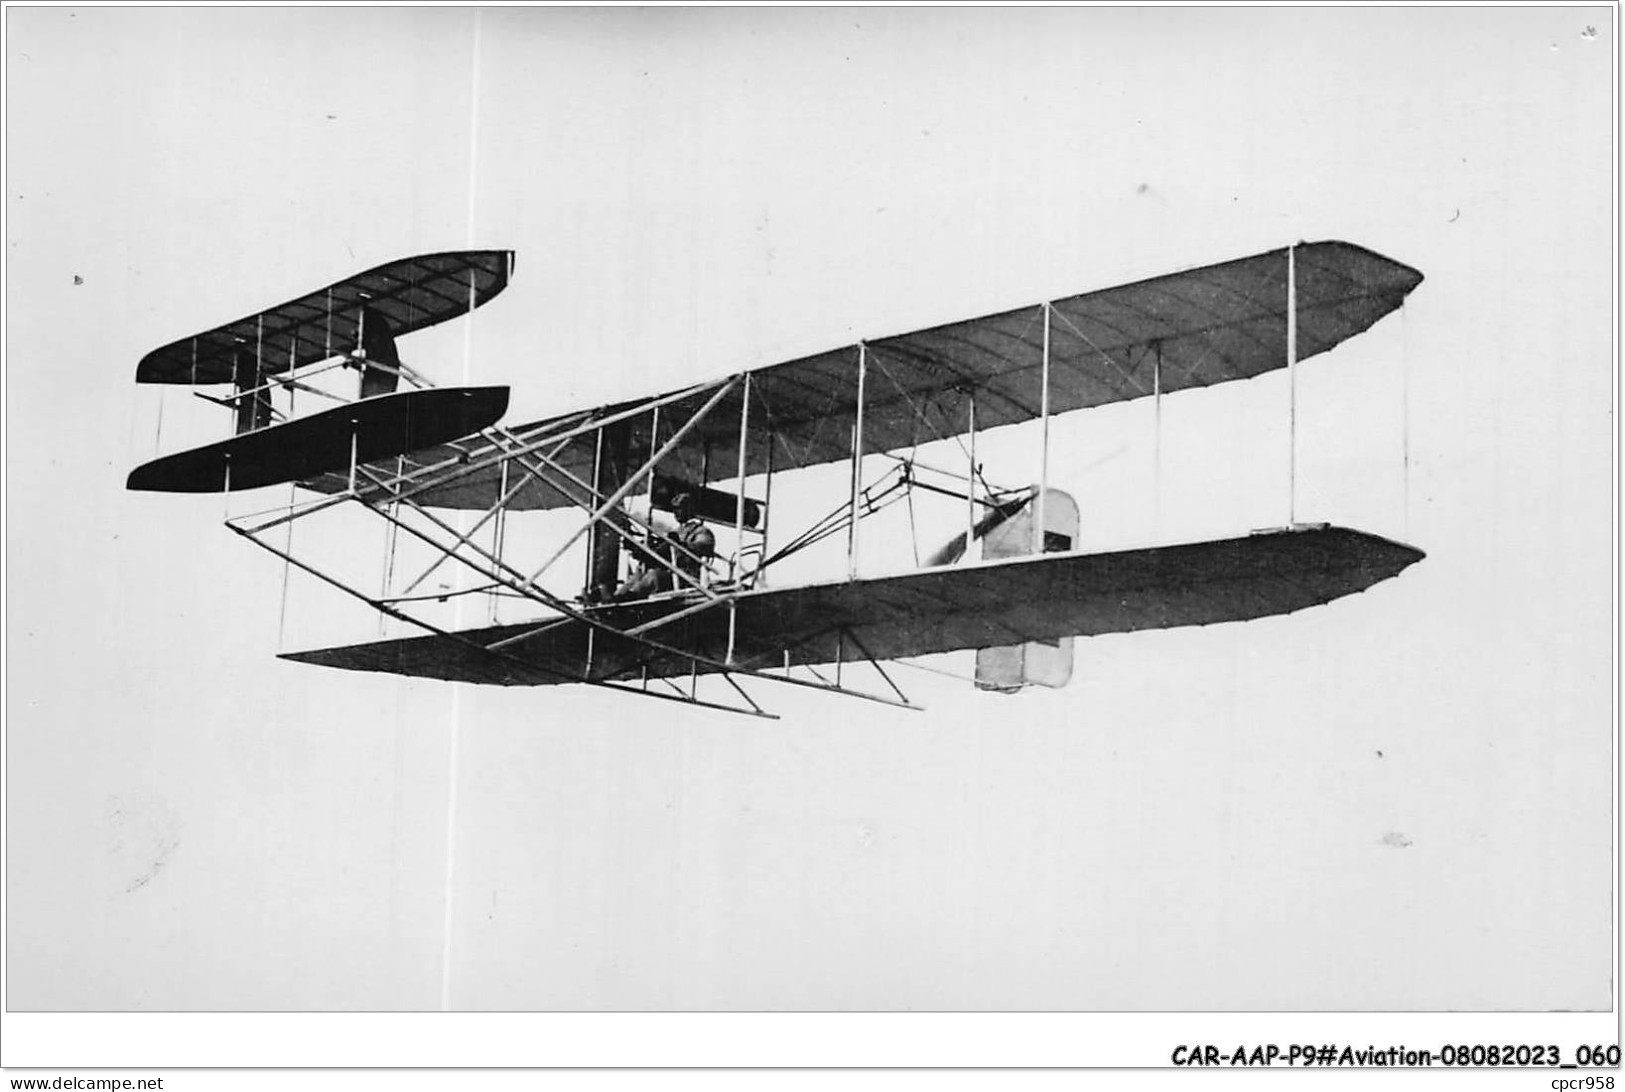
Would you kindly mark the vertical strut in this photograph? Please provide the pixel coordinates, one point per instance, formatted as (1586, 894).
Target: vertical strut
(604, 537)
(739, 501)
(970, 478)
(597, 477)
(654, 443)
(857, 467)
(354, 434)
(739, 515)
(259, 369)
(767, 499)
(1043, 465)
(1292, 383)
(391, 538)
(1156, 439)
(499, 532)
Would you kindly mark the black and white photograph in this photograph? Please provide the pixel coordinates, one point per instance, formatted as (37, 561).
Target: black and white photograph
(1095, 522)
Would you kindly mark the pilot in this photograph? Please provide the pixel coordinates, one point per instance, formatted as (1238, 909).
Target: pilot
(687, 547)
(697, 544)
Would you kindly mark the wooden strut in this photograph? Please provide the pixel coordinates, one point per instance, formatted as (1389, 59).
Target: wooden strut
(739, 517)
(628, 537)
(654, 440)
(464, 463)
(533, 593)
(767, 508)
(842, 634)
(857, 466)
(284, 381)
(355, 434)
(1037, 545)
(1292, 383)
(874, 663)
(823, 684)
(468, 462)
(1156, 439)
(499, 530)
(391, 537)
(394, 485)
(632, 480)
(970, 477)
(360, 350)
(532, 443)
(541, 595)
(597, 470)
(259, 363)
(526, 666)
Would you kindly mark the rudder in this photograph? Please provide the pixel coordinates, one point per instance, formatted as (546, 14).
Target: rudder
(1008, 668)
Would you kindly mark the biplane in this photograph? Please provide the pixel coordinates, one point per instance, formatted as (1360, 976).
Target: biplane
(679, 598)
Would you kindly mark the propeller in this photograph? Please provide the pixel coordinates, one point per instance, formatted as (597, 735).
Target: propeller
(955, 547)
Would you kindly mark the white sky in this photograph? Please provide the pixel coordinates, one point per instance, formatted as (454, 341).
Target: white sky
(1201, 821)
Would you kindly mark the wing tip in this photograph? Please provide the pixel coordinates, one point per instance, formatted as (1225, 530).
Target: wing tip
(498, 263)
(1402, 271)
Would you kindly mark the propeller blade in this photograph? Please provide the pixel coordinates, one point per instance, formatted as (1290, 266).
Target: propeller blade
(955, 547)
(952, 551)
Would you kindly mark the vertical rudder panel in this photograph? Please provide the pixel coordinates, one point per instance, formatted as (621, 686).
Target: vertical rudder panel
(1008, 668)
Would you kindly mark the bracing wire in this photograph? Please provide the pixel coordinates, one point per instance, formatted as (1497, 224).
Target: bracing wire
(158, 434)
(913, 531)
(976, 469)
(837, 519)
(936, 670)
(1292, 385)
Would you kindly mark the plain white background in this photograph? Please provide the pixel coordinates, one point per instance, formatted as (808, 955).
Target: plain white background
(1399, 801)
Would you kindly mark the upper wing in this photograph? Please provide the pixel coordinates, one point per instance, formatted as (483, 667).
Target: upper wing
(1041, 597)
(411, 293)
(1189, 329)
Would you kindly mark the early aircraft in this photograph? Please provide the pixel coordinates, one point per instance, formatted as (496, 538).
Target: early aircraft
(660, 610)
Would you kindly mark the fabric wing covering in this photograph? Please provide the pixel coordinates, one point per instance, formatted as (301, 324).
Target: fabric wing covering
(1190, 329)
(1043, 597)
(411, 294)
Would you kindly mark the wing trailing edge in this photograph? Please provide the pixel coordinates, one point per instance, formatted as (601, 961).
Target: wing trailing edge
(1043, 597)
(411, 294)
